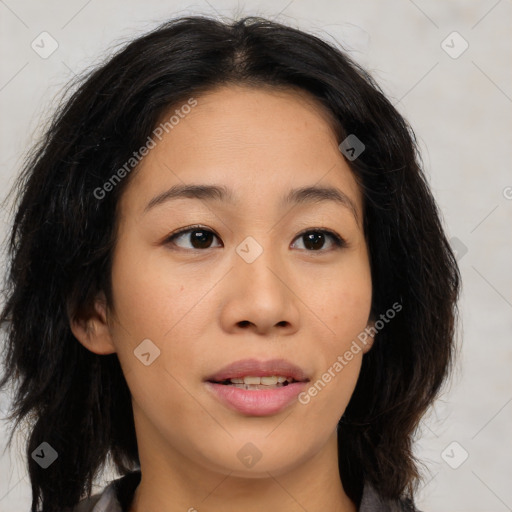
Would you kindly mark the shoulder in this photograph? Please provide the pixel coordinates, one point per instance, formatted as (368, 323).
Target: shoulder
(106, 501)
(116, 497)
(371, 501)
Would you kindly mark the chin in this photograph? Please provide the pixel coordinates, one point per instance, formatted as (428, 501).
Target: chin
(247, 461)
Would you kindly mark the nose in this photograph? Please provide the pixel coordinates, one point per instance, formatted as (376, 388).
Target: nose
(260, 296)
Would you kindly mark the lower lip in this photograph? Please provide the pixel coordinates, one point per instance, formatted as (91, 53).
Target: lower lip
(257, 402)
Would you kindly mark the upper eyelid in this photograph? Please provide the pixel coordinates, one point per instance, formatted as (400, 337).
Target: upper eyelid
(192, 228)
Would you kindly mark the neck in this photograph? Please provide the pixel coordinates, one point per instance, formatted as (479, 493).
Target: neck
(171, 483)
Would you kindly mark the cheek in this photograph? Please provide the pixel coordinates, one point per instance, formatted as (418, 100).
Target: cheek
(149, 297)
(343, 300)
(158, 302)
(154, 302)
(354, 295)
(351, 312)
(345, 305)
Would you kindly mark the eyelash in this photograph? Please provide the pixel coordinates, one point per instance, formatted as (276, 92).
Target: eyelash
(338, 241)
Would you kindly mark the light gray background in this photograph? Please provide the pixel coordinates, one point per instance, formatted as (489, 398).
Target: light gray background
(461, 111)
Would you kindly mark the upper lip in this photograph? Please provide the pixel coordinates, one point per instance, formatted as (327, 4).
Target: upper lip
(256, 368)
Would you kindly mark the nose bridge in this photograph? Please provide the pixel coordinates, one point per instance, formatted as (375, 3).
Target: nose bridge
(258, 260)
(257, 292)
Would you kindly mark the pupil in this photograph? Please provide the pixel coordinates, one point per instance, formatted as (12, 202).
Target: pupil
(314, 240)
(201, 239)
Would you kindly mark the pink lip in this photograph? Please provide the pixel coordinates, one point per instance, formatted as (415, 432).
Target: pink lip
(255, 368)
(257, 402)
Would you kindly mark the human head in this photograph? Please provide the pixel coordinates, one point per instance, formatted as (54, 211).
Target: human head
(64, 239)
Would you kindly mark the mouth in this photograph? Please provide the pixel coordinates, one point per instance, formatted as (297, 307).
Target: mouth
(251, 373)
(256, 388)
(255, 382)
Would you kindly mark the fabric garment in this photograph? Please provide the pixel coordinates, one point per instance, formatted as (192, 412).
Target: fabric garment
(118, 495)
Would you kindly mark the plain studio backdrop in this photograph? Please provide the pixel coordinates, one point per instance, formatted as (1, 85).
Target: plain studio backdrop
(446, 67)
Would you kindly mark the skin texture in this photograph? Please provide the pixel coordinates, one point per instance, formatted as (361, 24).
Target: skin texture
(205, 308)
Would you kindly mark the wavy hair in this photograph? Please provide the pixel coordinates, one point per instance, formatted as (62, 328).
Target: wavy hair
(62, 237)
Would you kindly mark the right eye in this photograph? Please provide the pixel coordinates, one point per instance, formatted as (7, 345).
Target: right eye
(198, 236)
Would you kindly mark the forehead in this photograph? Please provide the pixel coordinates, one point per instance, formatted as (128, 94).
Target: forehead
(237, 112)
(260, 142)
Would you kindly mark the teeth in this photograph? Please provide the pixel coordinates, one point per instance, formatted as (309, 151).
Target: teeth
(252, 380)
(266, 381)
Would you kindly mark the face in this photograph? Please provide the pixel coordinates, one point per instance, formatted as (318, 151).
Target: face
(209, 279)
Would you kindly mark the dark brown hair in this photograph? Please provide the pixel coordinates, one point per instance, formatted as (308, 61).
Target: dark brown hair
(62, 238)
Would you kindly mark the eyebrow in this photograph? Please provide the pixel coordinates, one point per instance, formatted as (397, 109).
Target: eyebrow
(302, 195)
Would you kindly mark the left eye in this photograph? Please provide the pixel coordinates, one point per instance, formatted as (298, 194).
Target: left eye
(201, 238)
(315, 239)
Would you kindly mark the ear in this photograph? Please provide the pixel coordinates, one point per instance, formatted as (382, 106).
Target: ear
(91, 327)
(371, 332)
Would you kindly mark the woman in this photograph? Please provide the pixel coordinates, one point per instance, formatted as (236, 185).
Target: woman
(229, 275)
